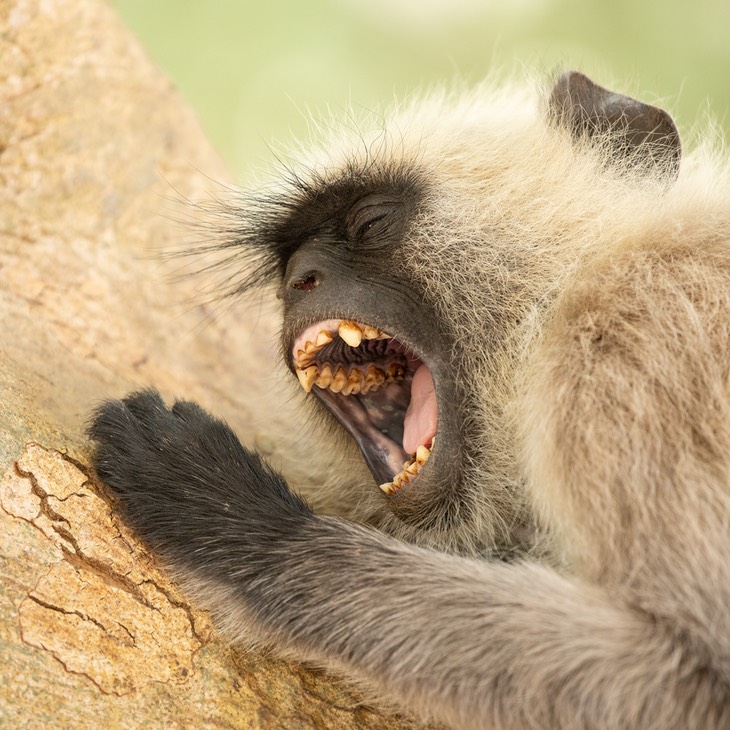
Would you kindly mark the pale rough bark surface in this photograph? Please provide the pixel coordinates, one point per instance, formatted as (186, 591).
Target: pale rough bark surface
(92, 633)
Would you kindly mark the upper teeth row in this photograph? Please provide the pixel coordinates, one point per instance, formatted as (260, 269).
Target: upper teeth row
(351, 332)
(358, 379)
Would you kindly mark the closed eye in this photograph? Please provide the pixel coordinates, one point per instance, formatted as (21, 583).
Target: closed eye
(371, 225)
(372, 216)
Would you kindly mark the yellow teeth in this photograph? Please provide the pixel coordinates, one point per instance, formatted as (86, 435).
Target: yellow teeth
(361, 378)
(374, 378)
(339, 381)
(354, 382)
(348, 383)
(411, 469)
(358, 379)
(370, 333)
(323, 338)
(395, 371)
(325, 377)
(306, 354)
(307, 377)
(350, 333)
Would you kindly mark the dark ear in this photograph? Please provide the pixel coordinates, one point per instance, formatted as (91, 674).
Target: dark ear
(636, 132)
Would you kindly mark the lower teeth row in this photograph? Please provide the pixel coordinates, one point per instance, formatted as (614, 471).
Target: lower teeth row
(410, 470)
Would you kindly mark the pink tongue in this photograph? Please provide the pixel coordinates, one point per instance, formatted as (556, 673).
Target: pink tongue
(419, 426)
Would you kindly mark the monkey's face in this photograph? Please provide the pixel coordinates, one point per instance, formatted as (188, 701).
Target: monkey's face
(363, 339)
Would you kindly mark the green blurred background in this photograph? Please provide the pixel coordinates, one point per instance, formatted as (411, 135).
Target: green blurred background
(254, 71)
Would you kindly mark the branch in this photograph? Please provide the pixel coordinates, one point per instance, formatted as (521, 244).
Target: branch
(94, 141)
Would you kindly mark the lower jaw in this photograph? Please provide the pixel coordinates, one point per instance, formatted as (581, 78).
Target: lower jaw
(392, 468)
(382, 454)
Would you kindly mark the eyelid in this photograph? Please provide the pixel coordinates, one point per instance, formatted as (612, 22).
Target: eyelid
(368, 213)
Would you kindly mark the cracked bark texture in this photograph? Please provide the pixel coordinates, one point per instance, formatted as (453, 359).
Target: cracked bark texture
(93, 143)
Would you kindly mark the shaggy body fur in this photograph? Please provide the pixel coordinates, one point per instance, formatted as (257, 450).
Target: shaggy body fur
(585, 302)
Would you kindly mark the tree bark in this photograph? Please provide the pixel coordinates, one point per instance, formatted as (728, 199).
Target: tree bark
(93, 141)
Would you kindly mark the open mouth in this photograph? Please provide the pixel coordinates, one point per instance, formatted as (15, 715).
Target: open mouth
(377, 389)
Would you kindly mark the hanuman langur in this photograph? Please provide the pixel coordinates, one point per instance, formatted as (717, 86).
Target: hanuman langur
(516, 303)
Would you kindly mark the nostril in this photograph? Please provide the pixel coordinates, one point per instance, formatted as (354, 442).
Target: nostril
(305, 283)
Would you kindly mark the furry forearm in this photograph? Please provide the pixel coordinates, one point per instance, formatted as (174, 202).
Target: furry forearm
(514, 645)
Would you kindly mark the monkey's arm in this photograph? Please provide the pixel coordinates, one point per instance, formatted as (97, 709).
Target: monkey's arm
(477, 645)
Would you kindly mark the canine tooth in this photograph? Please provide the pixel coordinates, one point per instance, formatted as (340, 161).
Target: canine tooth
(350, 333)
(324, 338)
(422, 454)
(339, 381)
(325, 377)
(307, 377)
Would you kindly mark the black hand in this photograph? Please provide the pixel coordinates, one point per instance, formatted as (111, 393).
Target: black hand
(187, 485)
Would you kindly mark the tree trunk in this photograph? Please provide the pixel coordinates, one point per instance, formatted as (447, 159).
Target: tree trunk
(93, 142)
